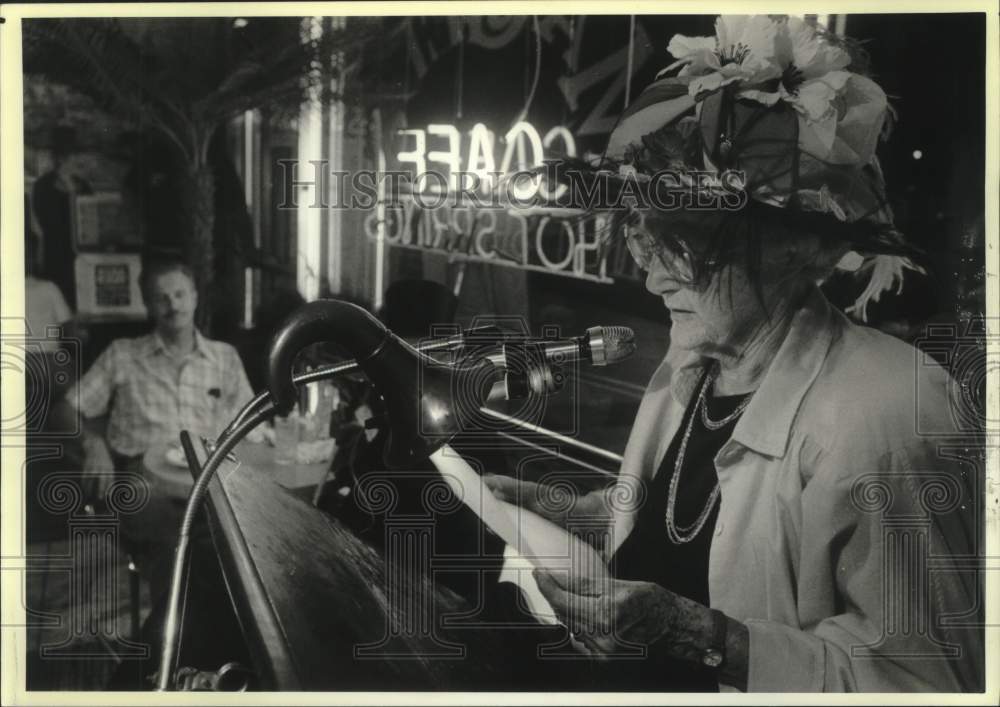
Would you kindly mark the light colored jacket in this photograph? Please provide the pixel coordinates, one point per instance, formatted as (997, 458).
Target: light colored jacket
(846, 533)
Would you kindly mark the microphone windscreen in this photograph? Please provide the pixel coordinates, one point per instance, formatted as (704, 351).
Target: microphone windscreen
(616, 344)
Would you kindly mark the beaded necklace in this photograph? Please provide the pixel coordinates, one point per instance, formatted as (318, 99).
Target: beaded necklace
(679, 535)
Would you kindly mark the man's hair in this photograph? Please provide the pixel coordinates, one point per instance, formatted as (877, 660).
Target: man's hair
(152, 269)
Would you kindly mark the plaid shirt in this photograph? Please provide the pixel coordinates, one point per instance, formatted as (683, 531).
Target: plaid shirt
(151, 396)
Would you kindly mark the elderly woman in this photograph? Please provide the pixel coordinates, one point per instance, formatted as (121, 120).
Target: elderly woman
(782, 522)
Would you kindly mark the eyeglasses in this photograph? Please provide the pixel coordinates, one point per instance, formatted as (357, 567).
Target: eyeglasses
(681, 262)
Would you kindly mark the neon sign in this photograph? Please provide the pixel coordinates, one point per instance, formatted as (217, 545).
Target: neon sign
(543, 240)
(443, 150)
(442, 160)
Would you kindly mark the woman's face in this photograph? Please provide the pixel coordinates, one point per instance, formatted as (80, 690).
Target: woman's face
(720, 316)
(716, 319)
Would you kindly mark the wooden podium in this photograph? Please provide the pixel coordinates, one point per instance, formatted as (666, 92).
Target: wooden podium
(321, 610)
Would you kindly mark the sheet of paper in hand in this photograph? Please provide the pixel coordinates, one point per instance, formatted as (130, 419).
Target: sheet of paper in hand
(532, 541)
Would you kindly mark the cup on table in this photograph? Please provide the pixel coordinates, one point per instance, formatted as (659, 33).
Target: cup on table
(286, 438)
(320, 399)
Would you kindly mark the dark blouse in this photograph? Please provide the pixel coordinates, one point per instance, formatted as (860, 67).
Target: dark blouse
(649, 555)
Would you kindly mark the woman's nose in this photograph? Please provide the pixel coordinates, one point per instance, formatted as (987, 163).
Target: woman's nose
(659, 280)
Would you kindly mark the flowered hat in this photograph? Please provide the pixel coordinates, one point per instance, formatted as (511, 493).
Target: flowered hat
(774, 99)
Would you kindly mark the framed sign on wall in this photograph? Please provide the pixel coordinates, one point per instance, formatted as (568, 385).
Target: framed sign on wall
(107, 286)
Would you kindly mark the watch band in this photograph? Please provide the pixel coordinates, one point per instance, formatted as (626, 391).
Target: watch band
(715, 655)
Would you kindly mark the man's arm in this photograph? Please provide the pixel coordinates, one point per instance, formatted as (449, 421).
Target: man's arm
(98, 465)
(91, 397)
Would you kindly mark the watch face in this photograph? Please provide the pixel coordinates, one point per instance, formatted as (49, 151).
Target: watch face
(712, 658)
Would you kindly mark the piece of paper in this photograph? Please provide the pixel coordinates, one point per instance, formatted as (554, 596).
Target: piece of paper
(532, 541)
(517, 571)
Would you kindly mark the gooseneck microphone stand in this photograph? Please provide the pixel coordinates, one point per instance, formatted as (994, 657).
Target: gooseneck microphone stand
(336, 369)
(172, 623)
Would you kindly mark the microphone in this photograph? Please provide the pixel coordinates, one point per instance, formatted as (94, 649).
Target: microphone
(527, 368)
(600, 346)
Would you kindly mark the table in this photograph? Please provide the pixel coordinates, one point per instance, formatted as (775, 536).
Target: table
(175, 482)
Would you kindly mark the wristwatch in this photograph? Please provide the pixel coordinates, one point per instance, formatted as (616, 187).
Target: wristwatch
(715, 655)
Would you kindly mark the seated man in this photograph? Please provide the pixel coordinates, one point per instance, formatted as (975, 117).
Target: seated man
(150, 388)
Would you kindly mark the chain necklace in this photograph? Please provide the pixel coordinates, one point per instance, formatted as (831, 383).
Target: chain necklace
(677, 534)
(719, 424)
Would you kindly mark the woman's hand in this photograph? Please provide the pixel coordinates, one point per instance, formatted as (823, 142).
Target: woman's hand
(557, 503)
(607, 614)
(609, 617)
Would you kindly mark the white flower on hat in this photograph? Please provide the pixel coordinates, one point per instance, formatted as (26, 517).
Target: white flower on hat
(772, 60)
(812, 78)
(743, 50)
